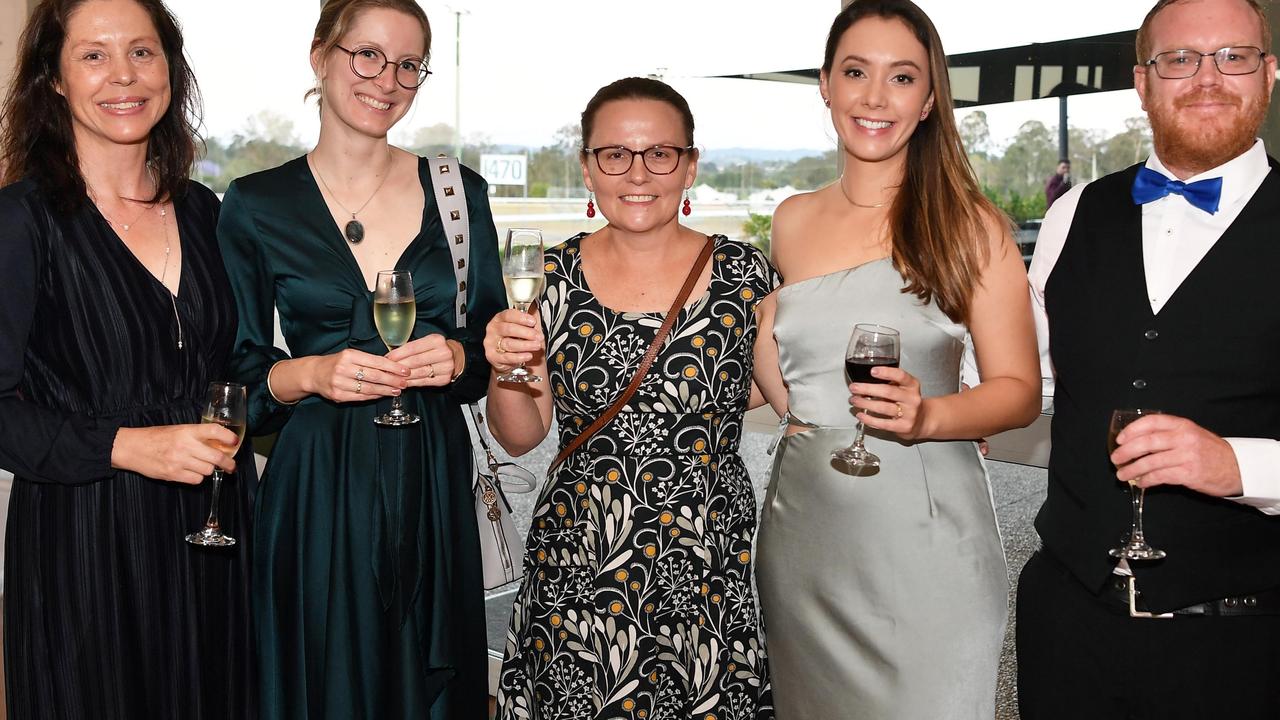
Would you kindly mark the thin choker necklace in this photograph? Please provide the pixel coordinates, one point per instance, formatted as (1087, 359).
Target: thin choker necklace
(354, 230)
(840, 182)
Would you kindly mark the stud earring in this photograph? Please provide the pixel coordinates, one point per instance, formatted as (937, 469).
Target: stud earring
(591, 206)
(826, 101)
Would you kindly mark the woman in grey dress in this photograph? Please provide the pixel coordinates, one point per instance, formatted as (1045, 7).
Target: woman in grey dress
(884, 593)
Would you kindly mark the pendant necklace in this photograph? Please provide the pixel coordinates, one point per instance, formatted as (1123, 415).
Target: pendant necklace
(354, 230)
(164, 272)
(855, 203)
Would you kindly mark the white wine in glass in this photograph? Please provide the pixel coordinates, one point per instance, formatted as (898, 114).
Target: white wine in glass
(522, 273)
(395, 311)
(226, 405)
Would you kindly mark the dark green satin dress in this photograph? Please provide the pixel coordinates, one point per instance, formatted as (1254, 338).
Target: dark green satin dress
(366, 576)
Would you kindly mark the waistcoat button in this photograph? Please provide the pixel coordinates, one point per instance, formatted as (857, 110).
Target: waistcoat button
(1151, 334)
(1139, 384)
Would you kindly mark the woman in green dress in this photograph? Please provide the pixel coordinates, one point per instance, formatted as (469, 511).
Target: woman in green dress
(367, 583)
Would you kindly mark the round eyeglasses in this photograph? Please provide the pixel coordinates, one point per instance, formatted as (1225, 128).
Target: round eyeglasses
(369, 63)
(1180, 64)
(617, 160)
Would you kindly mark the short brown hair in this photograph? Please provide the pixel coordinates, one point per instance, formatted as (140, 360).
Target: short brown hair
(636, 88)
(337, 17)
(1144, 41)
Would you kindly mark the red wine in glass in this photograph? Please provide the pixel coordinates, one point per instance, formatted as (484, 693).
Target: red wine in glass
(859, 368)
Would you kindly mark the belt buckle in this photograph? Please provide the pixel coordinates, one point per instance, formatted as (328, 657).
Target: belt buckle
(1134, 612)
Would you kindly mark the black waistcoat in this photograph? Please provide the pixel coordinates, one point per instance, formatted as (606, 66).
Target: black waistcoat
(1212, 355)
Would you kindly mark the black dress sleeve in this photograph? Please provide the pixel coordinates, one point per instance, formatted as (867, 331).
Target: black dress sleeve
(485, 294)
(253, 286)
(37, 443)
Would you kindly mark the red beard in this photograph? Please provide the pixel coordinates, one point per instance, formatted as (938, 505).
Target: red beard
(1193, 146)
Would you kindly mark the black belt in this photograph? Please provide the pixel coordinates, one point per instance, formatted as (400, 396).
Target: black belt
(1123, 589)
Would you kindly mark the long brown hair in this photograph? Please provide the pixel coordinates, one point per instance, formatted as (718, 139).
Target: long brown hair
(36, 137)
(938, 223)
(337, 17)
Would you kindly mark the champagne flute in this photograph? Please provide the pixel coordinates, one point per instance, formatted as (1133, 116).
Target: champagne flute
(395, 310)
(1136, 548)
(225, 406)
(522, 273)
(870, 345)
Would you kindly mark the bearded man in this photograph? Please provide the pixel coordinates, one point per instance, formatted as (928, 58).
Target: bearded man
(1157, 287)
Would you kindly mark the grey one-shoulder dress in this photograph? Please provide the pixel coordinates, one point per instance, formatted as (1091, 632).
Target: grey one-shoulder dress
(883, 596)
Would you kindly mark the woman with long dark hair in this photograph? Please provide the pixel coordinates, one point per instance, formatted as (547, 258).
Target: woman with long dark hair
(114, 316)
(883, 586)
(368, 598)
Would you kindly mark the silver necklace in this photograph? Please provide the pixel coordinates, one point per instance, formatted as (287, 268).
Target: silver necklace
(164, 272)
(845, 192)
(354, 230)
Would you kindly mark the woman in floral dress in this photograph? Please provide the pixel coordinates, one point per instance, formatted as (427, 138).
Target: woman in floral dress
(636, 600)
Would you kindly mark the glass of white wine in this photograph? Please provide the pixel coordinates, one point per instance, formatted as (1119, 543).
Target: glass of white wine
(522, 273)
(225, 406)
(395, 311)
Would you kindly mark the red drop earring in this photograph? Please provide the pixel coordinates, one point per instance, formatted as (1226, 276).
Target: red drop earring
(591, 207)
(686, 209)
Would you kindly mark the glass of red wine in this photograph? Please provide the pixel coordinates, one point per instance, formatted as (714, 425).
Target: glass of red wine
(869, 345)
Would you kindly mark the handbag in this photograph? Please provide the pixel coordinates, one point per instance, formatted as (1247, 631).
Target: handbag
(500, 545)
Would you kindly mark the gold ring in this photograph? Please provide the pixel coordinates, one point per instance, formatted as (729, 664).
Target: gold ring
(359, 386)
(431, 370)
(504, 352)
(899, 409)
(360, 375)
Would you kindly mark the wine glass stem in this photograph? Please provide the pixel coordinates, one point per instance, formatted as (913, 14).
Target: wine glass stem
(212, 522)
(396, 409)
(1137, 494)
(858, 431)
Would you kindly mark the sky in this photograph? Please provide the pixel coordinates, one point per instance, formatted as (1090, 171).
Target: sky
(528, 68)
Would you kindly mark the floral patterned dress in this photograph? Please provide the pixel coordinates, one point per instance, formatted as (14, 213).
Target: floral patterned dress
(636, 600)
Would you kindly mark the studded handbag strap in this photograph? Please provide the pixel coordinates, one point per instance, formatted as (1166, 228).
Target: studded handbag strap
(649, 356)
(446, 179)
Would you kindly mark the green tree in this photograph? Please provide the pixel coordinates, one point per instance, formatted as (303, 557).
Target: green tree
(758, 229)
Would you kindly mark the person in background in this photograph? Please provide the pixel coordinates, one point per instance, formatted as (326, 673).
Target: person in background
(1058, 183)
(115, 315)
(368, 597)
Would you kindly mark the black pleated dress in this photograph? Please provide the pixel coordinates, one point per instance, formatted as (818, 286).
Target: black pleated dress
(108, 612)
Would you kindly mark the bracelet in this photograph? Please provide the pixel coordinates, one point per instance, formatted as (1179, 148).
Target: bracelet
(272, 393)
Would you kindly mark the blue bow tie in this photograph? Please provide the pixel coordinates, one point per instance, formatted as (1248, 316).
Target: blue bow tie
(1150, 186)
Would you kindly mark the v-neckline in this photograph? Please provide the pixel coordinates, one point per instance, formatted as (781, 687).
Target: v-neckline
(428, 196)
(176, 295)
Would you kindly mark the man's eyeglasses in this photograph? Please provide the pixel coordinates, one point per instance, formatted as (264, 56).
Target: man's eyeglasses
(369, 63)
(1180, 64)
(617, 160)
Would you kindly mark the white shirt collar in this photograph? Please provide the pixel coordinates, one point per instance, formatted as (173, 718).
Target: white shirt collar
(1240, 175)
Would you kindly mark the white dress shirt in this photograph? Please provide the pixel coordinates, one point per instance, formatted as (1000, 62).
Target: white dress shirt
(1176, 235)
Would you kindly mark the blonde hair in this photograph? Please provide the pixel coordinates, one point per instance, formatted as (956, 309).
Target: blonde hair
(337, 17)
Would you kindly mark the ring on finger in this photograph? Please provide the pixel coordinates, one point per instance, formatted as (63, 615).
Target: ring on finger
(360, 375)
(359, 386)
(899, 409)
(500, 346)
(431, 370)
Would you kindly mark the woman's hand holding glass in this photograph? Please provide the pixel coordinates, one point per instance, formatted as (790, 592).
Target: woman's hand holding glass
(175, 453)
(513, 338)
(432, 360)
(894, 405)
(355, 376)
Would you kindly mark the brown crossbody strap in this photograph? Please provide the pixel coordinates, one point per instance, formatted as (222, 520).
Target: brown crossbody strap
(649, 356)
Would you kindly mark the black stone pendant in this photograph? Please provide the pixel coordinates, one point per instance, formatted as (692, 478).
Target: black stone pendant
(354, 232)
